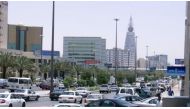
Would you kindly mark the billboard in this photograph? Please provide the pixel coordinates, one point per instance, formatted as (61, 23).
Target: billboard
(176, 70)
(179, 61)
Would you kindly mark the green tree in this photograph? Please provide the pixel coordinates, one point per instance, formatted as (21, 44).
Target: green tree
(22, 63)
(102, 77)
(6, 60)
(68, 81)
(44, 69)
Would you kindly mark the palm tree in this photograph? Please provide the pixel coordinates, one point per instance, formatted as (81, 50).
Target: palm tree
(22, 63)
(6, 60)
(44, 69)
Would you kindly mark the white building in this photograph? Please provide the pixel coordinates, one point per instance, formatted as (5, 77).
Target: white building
(85, 50)
(3, 24)
(130, 47)
(110, 57)
(141, 63)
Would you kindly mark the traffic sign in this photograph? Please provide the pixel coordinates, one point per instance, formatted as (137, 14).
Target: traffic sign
(176, 70)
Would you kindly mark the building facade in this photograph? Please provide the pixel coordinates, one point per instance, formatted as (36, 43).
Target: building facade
(158, 61)
(85, 50)
(25, 38)
(141, 63)
(130, 47)
(110, 57)
(3, 24)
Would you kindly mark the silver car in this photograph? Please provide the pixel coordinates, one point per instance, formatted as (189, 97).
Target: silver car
(93, 97)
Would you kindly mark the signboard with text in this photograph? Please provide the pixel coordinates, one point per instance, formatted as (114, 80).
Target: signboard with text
(176, 70)
(179, 61)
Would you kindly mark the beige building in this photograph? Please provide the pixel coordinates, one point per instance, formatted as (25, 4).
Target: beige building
(3, 23)
(141, 63)
(25, 38)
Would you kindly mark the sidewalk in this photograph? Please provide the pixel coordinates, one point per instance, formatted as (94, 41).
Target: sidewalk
(176, 90)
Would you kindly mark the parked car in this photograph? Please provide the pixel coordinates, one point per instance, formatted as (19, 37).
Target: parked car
(130, 98)
(83, 91)
(110, 103)
(3, 83)
(47, 84)
(27, 94)
(114, 88)
(70, 96)
(56, 93)
(104, 88)
(149, 102)
(11, 100)
(93, 97)
(67, 105)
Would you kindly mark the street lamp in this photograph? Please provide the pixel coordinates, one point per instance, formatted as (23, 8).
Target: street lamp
(116, 20)
(147, 57)
(128, 51)
(52, 48)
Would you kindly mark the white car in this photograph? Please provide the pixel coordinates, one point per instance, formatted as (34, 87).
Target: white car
(149, 102)
(93, 97)
(68, 105)
(11, 100)
(28, 94)
(125, 91)
(83, 91)
(70, 96)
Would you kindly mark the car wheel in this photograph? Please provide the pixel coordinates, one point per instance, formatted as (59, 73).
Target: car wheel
(75, 101)
(51, 99)
(10, 105)
(37, 98)
(23, 104)
(28, 98)
(81, 101)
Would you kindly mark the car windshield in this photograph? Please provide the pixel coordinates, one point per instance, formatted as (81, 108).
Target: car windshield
(13, 80)
(68, 93)
(57, 91)
(94, 97)
(81, 88)
(23, 81)
(122, 91)
(20, 91)
(130, 91)
(4, 95)
(104, 86)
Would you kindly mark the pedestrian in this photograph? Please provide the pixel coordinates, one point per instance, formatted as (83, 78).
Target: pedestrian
(170, 92)
(159, 98)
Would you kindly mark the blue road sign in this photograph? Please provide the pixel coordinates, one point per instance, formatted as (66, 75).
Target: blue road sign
(176, 70)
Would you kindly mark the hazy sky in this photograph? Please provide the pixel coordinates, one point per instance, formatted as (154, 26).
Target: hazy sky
(157, 24)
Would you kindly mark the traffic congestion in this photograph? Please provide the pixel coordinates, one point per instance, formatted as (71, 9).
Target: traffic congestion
(21, 92)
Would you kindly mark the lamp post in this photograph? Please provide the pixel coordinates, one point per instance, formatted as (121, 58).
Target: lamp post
(52, 48)
(128, 51)
(116, 20)
(136, 57)
(147, 58)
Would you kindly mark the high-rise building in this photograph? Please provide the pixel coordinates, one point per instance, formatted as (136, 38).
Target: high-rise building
(130, 47)
(110, 57)
(25, 38)
(3, 23)
(158, 61)
(85, 50)
(141, 63)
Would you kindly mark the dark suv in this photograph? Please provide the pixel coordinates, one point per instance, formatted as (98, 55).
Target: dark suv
(55, 94)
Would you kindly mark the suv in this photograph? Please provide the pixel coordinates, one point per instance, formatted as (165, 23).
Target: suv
(104, 88)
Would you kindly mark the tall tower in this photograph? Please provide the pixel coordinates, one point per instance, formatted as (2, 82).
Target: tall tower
(3, 24)
(130, 46)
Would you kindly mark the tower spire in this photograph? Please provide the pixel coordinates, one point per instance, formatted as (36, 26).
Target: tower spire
(130, 28)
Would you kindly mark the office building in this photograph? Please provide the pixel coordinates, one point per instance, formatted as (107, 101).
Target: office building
(25, 38)
(85, 51)
(130, 47)
(158, 61)
(3, 24)
(110, 57)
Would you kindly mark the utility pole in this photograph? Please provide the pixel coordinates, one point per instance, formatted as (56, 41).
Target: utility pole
(147, 62)
(116, 20)
(136, 57)
(52, 49)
